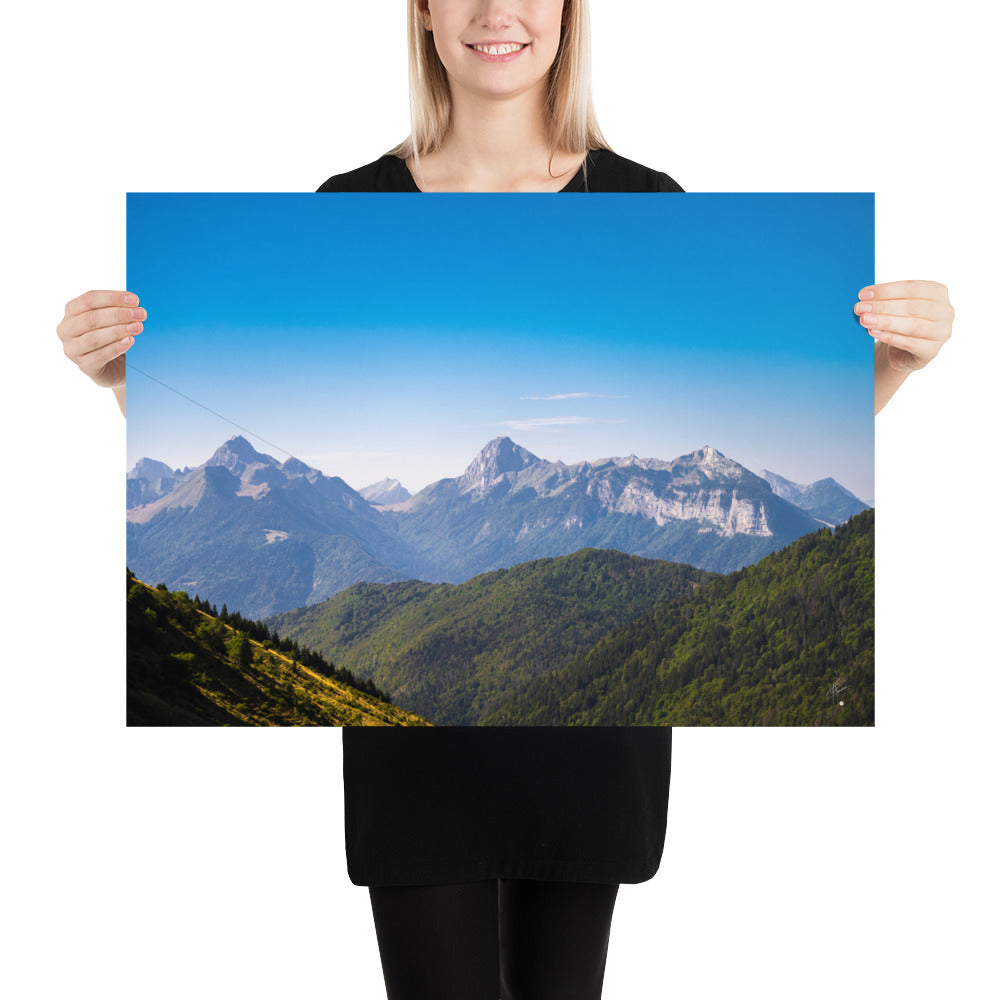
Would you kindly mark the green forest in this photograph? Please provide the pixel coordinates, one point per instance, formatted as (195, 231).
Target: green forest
(456, 652)
(189, 664)
(789, 641)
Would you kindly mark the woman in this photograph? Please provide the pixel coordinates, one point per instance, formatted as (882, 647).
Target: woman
(494, 856)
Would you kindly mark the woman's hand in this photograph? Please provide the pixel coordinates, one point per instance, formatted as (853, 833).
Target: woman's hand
(96, 331)
(912, 318)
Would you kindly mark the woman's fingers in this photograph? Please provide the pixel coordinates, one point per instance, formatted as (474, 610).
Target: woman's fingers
(919, 300)
(97, 329)
(96, 299)
(913, 318)
(76, 346)
(78, 327)
(931, 290)
(909, 326)
(930, 309)
(920, 347)
(920, 338)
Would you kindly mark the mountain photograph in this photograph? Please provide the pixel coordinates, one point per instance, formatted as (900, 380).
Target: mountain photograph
(555, 507)
(488, 598)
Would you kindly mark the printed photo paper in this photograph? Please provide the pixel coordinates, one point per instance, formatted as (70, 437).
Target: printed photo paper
(500, 460)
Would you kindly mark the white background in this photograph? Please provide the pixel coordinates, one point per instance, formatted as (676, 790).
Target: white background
(156, 863)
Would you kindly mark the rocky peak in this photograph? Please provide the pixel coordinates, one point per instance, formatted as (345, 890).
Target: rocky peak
(385, 492)
(501, 455)
(236, 454)
(713, 463)
(296, 467)
(150, 468)
(708, 454)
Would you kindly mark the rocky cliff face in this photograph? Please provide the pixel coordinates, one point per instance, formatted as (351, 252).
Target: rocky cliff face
(510, 506)
(703, 486)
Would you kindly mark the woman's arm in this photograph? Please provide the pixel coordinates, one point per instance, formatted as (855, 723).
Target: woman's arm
(909, 320)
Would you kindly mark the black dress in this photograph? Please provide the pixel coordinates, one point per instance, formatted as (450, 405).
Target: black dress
(444, 805)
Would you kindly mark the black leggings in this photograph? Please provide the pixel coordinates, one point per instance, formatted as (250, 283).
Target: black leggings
(512, 938)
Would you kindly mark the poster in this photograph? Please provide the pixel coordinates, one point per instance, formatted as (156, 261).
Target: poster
(500, 460)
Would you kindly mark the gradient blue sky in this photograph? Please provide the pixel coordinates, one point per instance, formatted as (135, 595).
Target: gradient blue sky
(377, 335)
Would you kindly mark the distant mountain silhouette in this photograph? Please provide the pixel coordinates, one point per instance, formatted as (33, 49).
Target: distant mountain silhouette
(385, 492)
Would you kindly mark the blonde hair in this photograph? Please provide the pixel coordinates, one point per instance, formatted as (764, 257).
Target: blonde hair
(571, 120)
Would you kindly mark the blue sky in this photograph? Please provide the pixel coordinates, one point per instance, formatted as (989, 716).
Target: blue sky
(376, 335)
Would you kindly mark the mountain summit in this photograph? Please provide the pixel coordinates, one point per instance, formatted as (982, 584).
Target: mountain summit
(499, 457)
(150, 468)
(825, 499)
(238, 453)
(385, 492)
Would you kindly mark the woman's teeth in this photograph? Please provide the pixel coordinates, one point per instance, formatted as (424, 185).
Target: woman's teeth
(500, 50)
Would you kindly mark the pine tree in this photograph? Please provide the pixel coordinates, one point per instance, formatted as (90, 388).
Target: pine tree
(240, 654)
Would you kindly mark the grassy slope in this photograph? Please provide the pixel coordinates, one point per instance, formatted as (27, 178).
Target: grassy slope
(180, 673)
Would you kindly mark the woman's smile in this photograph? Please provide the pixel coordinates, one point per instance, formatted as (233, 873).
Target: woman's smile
(497, 51)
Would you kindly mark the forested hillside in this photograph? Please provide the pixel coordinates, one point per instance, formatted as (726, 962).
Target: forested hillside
(787, 641)
(189, 665)
(455, 653)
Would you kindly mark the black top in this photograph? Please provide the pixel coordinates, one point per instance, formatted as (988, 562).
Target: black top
(443, 805)
(606, 172)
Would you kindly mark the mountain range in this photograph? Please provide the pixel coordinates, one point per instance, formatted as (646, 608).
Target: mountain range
(267, 536)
